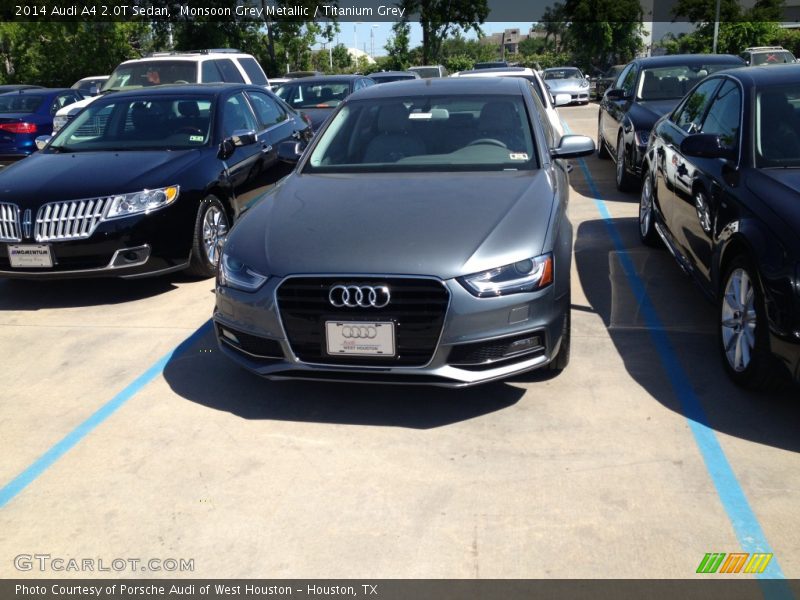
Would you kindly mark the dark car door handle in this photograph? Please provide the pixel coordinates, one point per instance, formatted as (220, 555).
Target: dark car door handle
(296, 135)
(266, 148)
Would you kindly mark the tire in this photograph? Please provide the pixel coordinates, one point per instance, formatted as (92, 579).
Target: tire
(625, 181)
(210, 228)
(744, 330)
(561, 360)
(602, 151)
(647, 215)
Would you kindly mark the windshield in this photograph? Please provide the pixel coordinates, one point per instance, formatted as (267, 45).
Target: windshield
(151, 72)
(20, 103)
(436, 133)
(314, 94)
(672, 83)
(427, 72)
(156, 123)
(772, 58)
(563, 74)
(778, 126)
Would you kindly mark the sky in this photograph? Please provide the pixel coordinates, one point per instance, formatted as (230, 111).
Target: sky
(379, 33)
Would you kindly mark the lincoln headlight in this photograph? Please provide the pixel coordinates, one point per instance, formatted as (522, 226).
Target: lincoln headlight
(235, 274)
(522, 276)
(124, 205)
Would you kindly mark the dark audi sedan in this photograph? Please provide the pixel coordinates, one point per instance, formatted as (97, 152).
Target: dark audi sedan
(722, 190)
(422, 238)
(647, 89)
(142, 182)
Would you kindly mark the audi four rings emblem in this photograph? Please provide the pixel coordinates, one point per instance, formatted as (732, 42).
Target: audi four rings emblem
(364, 296)
(361, 332)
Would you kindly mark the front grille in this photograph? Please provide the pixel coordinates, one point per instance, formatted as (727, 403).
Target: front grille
(9, 222)
(417, 309)
(69, 220)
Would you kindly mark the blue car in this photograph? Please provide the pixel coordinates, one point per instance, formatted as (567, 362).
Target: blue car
(26, 114)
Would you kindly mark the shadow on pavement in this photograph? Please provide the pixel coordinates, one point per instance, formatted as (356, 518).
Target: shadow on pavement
(203, 375)
(689, 321)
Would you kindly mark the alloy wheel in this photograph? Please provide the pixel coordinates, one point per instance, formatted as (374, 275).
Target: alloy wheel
(646, 207)
(215, 229)
(739, 320)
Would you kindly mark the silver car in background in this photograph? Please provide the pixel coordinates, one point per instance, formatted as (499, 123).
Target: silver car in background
(567, 80)
(422, 238)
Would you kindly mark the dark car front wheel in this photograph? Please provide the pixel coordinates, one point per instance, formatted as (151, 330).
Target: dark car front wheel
(743, 329)
(625, 181)
(602, 151)
(210, 229)
(647, 217)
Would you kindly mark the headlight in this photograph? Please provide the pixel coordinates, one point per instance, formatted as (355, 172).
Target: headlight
(522, 276)
(584, 83)
(235, 274)
(124, 205)
(642, 137)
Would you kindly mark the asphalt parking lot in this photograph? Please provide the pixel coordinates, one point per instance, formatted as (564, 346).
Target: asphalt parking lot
(125, 434)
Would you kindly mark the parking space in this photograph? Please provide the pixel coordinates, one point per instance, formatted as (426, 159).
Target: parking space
(618, 467)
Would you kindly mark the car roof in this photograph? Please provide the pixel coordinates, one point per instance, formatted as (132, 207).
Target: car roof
(36, 91)
(322, 79)
(498, 70)
(562, 68)
(765, 75)
(687, 59)
(183, 89)
(393, 73)
(443, 85)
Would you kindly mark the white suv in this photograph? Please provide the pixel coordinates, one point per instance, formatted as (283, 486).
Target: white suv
(203, 66)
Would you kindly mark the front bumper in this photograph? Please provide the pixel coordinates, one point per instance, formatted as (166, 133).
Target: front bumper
(474, 342)
(136, 246)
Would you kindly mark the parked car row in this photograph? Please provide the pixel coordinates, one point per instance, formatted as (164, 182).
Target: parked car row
(714, 147)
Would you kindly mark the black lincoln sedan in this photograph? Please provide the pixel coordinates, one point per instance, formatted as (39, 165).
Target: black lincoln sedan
(644, 91)
(142, 182)
(722, 190)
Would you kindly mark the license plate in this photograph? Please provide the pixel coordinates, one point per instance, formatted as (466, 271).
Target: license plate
(30, 256)
(359, 337)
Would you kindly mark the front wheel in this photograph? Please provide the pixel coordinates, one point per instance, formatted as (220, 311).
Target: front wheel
(210, 230)
(602, 151)
(625, 181)
(647, 216)
(561, 360)
(743, 329)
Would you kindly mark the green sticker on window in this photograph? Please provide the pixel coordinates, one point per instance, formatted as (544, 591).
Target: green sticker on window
(195, 138)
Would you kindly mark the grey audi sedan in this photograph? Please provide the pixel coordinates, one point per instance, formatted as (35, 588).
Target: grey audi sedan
(422, 238)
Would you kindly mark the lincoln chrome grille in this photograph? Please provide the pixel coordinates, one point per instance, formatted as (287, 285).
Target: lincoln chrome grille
(417, 308)
(70, 220)
(9, 222)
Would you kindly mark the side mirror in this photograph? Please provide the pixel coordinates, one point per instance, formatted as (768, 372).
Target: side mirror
(562, 99)
(42, 140)
(573, 146)
(616, 94)
(290, 152)
(707, 145)
(226, 149)
(243, 137)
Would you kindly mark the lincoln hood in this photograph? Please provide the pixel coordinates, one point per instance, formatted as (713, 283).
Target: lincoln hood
(49, 176)
(430, 224)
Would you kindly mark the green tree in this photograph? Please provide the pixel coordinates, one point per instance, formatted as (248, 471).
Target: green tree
(397, 48)
(603, 32)
(554, 23)
(341, 58)
(441, 18)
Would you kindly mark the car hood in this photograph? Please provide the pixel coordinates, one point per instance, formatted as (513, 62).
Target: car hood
(779, 191)
(432, 224)
(47, 177)
(556, 85)
(645, 113)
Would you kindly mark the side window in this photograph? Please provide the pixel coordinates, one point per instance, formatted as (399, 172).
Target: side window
(367, 82)
(267, 110)
(254, 71)
(629, 81)
(622, 76)
(690, 115)
(236, 115)
(724, 115)
(211, 73)
(230, 74)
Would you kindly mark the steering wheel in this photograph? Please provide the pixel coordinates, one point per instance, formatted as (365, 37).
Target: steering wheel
(490, 141)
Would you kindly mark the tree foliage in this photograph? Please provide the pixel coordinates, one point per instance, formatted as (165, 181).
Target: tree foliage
(603, 32)
(440, 19)
(397, 48)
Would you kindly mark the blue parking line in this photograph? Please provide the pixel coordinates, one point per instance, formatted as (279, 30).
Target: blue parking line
(745, 523)
(44, 462)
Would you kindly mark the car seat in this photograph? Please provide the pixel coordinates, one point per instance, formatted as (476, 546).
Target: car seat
(393, 142)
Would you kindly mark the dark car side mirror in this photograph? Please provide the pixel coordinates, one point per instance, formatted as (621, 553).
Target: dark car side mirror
(290, 152)
(707, 145)
(617, 94)
(240, 137)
